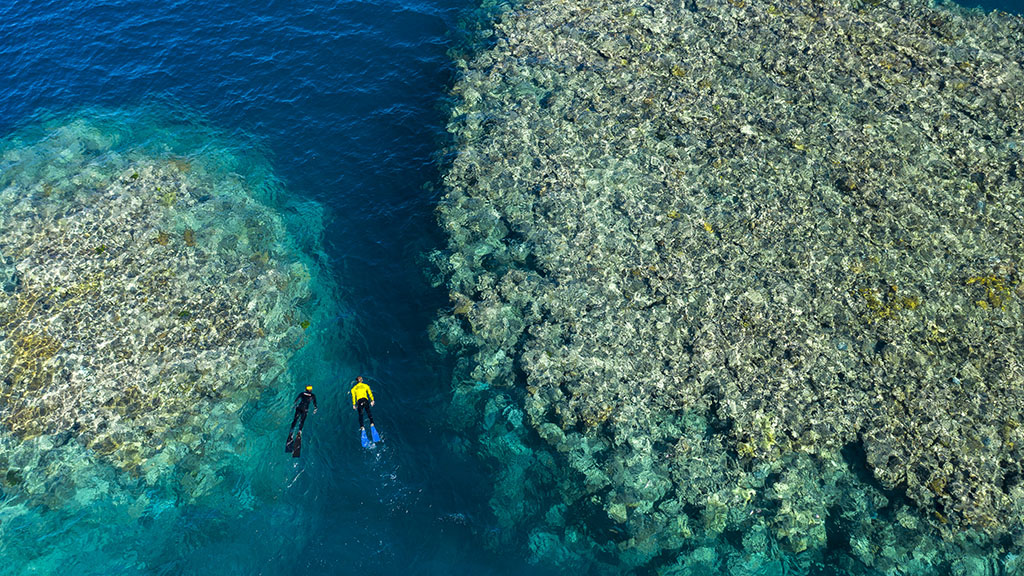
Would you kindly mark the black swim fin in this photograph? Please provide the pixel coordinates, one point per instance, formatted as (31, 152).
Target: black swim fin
(288, 446)
(297, 446)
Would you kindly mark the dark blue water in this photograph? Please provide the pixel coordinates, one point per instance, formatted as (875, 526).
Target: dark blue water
(1011, 6)
(344, 100)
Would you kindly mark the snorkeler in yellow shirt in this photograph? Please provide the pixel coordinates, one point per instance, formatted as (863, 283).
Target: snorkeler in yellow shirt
(362, 399)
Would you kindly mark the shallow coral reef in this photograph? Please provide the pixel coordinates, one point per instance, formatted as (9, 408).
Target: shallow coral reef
(147, 297)
(751, 272)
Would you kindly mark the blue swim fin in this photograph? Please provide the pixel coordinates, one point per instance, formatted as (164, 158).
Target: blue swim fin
(373, 434)
(363, 439)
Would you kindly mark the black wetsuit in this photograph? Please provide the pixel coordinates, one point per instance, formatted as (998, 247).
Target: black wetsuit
(364, 404)
(302, 407)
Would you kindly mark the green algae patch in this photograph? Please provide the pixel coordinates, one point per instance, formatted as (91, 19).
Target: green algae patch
(152, 289)
(997, 291)
(750, 277)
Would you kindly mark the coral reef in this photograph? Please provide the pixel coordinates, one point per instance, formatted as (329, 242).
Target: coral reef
(147, 297)
(752, 274)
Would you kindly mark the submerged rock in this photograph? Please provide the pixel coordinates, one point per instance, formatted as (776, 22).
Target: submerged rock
(139, 309)
(9, 279)
(769, 257)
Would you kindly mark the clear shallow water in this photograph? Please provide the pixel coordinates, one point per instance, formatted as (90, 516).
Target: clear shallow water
(342, 99)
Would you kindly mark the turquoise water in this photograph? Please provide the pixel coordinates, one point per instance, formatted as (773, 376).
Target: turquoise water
(330, 115)
(1011, 6)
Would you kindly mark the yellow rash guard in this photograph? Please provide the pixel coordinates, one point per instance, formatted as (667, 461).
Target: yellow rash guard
(361, 390)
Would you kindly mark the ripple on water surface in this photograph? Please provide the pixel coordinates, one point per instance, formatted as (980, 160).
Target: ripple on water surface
(152, 293)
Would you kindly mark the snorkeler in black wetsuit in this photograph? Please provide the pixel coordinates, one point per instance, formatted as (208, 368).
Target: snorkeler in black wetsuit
(302, 408)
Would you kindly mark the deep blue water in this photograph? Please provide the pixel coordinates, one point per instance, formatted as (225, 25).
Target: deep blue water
(344, 98)
(1011, 6)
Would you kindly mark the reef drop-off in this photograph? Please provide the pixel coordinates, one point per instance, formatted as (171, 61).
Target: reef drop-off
(736, 284)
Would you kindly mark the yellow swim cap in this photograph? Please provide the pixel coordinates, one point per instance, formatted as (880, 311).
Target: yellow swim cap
(309, 387)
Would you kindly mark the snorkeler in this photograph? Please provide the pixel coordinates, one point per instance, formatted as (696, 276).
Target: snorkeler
(302, 407)
(362, 399)
(301, 411)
